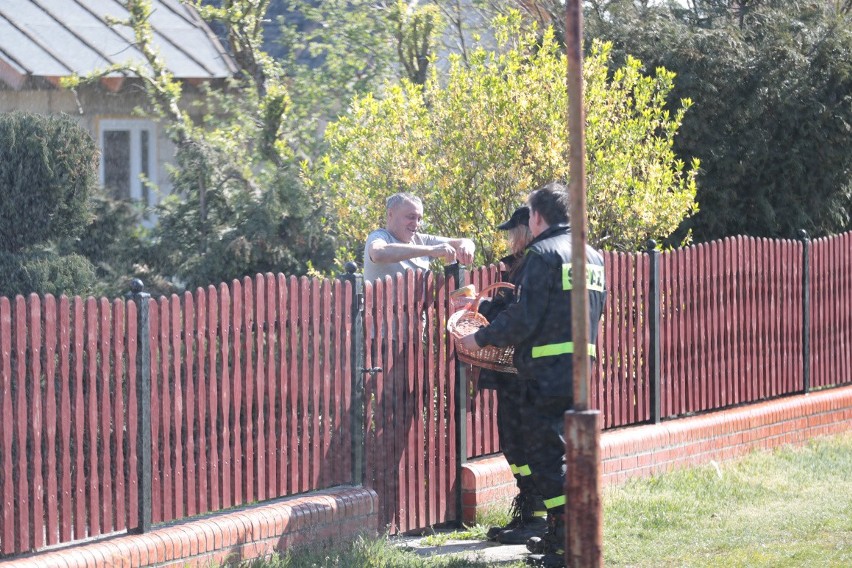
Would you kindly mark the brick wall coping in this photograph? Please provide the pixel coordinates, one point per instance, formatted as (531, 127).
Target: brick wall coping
(229, 536)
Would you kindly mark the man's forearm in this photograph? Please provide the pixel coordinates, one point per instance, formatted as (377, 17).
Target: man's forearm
(396, 252)
(456, 243)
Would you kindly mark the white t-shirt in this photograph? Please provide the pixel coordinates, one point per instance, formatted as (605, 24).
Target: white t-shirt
(373, 270)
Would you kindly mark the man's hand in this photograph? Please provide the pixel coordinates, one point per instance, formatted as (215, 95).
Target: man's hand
(445, 251)
(464, 251)
(469, 342)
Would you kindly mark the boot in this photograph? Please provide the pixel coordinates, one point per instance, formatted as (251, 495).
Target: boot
(552, 536)
(549, 551)
(517, 520)
(533, 523)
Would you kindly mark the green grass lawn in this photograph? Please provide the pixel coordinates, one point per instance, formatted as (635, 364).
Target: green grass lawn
(787, 508)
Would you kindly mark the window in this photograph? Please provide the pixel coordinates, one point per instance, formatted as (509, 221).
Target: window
(127, 152)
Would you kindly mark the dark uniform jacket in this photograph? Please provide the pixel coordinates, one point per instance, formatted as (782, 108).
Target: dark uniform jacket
(502, 299)
(539, 323)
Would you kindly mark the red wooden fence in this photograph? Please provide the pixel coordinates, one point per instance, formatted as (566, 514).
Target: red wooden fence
(251, 396)
(411, 452)
(831, 311)
(251, 391)
(65, 460)
(731, 323)
(620, 379)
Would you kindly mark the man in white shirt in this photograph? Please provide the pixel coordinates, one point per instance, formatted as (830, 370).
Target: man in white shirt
(399, 246)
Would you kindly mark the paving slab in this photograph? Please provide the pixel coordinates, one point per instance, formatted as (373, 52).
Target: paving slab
(492, 553)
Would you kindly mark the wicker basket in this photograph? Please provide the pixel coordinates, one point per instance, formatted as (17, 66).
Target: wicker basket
(467, 321)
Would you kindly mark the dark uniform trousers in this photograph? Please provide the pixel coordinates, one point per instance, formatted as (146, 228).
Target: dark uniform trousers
(542, 431)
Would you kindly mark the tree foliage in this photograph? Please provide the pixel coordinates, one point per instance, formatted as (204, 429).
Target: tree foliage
(772, 85)
(237, 206)
(47, 172)
(331, 52)
(48, 166)
(43, 271)
(475, 142)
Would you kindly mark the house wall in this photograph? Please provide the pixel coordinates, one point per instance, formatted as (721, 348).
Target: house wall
(91, 105)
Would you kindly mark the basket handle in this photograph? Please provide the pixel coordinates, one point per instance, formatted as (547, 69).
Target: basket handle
(475, 304)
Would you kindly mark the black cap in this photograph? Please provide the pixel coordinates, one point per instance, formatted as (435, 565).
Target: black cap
(521, 216)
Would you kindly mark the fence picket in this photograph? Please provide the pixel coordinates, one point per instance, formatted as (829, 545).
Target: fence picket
(272, 443)
(315, 378)
(119, 416)
(34, 421)
(181, 391)
(327, 384)
(605, 365)
(294, 383)
(836, 315)
(65, 383)
(7, 431)
(260, 374)
(93, 479)
(239, 493)
(727, 343)
(703, 286)
(844, 269)
(105, 398)
(80, 516)
(373, 388)
(283, 413)
(445, 414)
(199, 401)
(211, 379)
(21, 423)
(224, 401)
(339, 454)
(393, 390)
(183, 418)
(50, 421)
(304, 385)
(431, 417)
(249, 446)
(132, 418)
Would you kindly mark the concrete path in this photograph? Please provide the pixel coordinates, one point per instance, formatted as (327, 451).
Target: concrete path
(492, 553)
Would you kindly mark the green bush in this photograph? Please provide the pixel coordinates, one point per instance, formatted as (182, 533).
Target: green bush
(114, 242)
(45, 272)
(47, 169)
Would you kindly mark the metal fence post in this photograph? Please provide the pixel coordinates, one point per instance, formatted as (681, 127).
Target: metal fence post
(358, 371)
(458, 272)
(654, 328)
(806, 312)
(143, 395)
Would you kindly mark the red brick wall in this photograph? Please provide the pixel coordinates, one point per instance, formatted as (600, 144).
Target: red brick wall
(248, 533)
(641, 451)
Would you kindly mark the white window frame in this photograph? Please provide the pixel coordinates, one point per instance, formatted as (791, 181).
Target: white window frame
(135, 126)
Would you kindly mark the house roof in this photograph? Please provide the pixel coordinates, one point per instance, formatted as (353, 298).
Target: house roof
(56, 38)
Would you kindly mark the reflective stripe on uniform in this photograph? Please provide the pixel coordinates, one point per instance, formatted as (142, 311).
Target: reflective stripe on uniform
(594, 277)
(514, 469)
(559, 349)
(524, 471)
(554, 502)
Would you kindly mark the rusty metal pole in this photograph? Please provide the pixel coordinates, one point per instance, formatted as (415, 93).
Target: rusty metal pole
(583, 513)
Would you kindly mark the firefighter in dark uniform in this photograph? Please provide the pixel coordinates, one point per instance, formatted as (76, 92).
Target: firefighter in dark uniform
(528, 511)
(539, 326)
